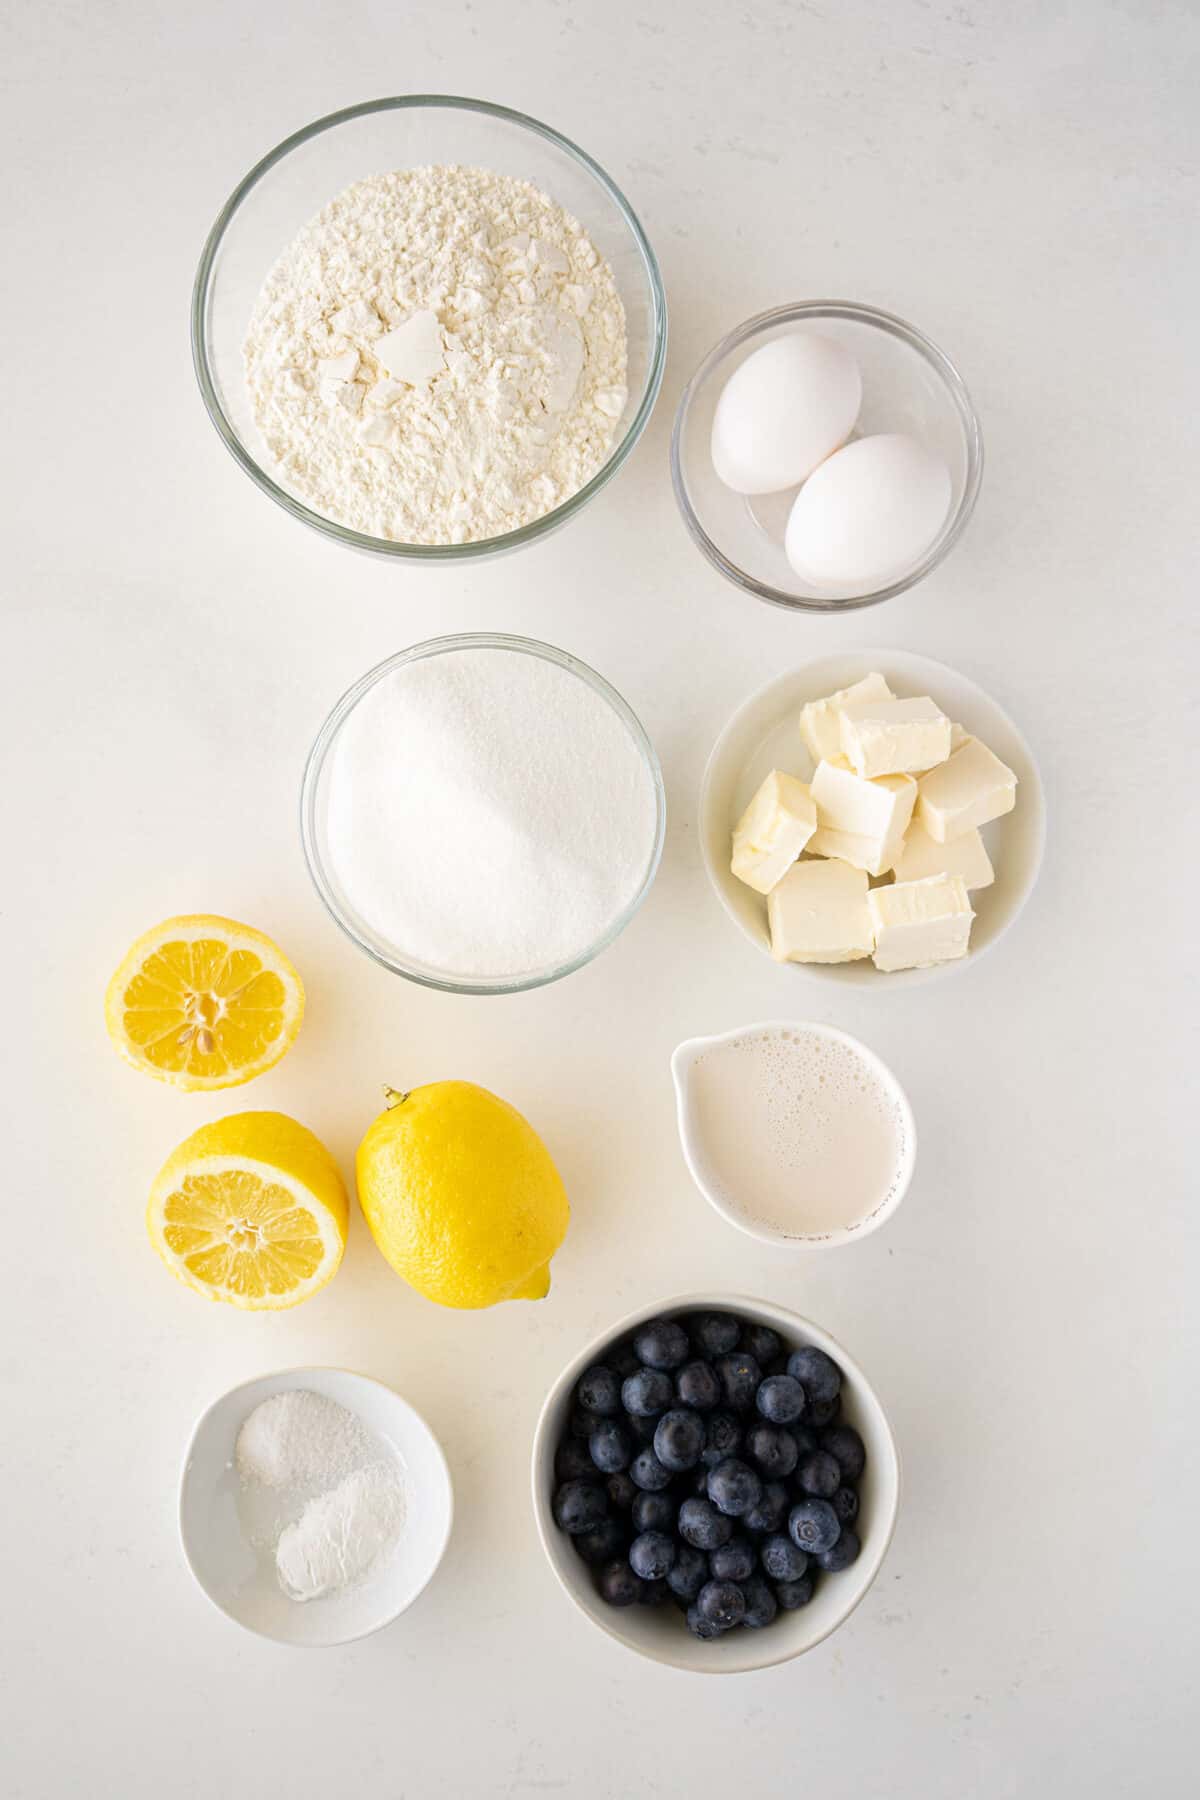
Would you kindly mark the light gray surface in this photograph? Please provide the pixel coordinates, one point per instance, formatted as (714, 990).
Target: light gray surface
(1020, 180)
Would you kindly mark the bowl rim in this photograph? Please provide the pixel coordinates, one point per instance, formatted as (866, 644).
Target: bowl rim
(433, 553)
(763, 1234)
(877, 658)
(327, 736)
(541, 1462)
(894, 326)
(306, 1370)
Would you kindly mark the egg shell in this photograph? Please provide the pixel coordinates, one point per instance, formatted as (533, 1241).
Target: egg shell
(786, 408)
(868, 513)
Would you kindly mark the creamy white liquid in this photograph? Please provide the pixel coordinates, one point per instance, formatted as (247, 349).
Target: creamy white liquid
(798, 1132)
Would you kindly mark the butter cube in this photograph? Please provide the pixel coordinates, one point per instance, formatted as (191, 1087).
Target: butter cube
(922, 855)
(772, 831)
(819, 724)
(919, 923)
(972, 787)
(861, 852)
(877, 810)
(818, 914)
(894, 737)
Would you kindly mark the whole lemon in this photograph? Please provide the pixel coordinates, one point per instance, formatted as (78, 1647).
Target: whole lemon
(461, 1195)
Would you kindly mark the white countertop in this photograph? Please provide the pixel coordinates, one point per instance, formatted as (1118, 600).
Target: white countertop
(1020, 180)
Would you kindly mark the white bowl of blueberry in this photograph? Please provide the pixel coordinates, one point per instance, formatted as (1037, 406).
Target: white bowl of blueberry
(715, 1483)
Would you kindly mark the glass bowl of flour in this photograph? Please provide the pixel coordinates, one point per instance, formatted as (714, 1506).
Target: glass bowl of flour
(429, 327)
(482, 814)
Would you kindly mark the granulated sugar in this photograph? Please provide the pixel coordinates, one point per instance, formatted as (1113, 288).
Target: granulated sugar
(489, 814)
(299, 1437)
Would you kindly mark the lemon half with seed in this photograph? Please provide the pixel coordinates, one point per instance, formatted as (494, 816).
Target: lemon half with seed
(250, 1210)
(203, 1003)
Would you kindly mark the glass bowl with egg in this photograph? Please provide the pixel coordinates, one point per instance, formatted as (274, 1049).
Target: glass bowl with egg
(273, 213)
(826, 455)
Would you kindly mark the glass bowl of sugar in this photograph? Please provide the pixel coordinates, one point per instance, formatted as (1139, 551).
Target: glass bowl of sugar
(429, 327)
(482, 814)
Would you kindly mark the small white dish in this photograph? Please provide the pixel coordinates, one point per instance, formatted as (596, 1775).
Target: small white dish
(659, 1632)
(691, 1141)
(241, 1581)
(764, 734)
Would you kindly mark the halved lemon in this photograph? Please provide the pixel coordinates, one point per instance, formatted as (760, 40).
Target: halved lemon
(204, 1003)
(250, 1210)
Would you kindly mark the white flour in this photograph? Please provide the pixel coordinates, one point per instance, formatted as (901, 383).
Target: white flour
(341, 1534)
(439, 356)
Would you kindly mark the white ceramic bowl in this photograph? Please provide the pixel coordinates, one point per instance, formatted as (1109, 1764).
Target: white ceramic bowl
(659, 1632)
(691, 1141)
(764, 734)
(242, 1583)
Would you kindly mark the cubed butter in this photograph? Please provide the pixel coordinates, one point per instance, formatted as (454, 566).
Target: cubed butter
(818, 914)
(819, 723)
(894, 737)
(922, 855)
(773, 831)
(862, 852)
(963, 793)
(878, 809)
(919, 923)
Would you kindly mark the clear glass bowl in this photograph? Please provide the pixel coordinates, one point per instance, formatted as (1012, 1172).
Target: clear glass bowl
(908, 385)
(291, 184)
(314, 818)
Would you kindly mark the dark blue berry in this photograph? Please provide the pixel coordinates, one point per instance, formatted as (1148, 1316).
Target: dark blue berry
(582, 1423)
(621, 1492)
(847, 1448)
(579, 1505)
(740, 1376)
(698, 1625)
(618, 1585)
(723, 1437)
(688, 1573)
(641, 1427)
(610, 1446)
(714, 1333)
(771, 1511)
(648, 1473)
(646, 1393)
(679, 1439)
(651, 1555)
(845, 1505)
(662, 1344)
(760, 1342)
(702, 1526)
(780, 1400)
(599, 1390)
(572, 1460)
(722, 1603)
(843, 1553)
(602, 1543)
(813, 1526)
(623, 1361)
(819, 1474)
(734, 1561)
(822, 1413)
(697, 1385)
(793, 1594)
(653, 1512)
(761, 1605)
(781, 1559)
(734, 1488)
(774, 1450)
(817, 1373)
(653, 1593)
(806, 1440)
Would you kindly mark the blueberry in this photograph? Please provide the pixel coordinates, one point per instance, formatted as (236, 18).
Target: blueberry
(771, 1510)
(599, 1391)
(602, 1543)
(688, 1573)
(740, 1376)
(702, 1526)
(641, 1428)
(653, 1512)
(582, 1423)
(621, 1492)
(845, 1505)
(806, 1440)
(679, 1440)
(844, 1552)
(623, 1361)
(698, 1625)
(722, 1603)
(817, 1373)
(697, 1385)
(611, 1447)
(651, 1555)
(618, 1584)
(813, 1526)
(760, 1342)
(761, 1605)
(572, 1461)
(734, 1488)
(714, 1334)
(579, 1505)
(821, 1413)
(648, 1473)
(653, 1593)
(662, 1344)
(793, 1594)
(723, 1437)
(780, 1400)
(734, 1561)
(646, 1393)
(819, 1474)
(773, 1449)
(781, 1559)
(848, 1450)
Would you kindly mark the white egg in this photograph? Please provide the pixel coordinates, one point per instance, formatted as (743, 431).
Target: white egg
(869, 513)
(783, 411)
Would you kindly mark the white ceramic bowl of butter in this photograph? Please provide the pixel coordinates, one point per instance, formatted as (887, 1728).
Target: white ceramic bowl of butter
(764, 734)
